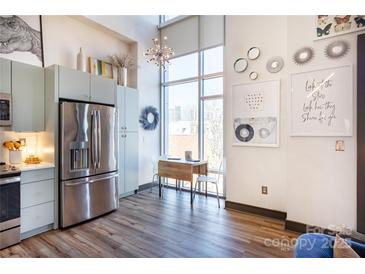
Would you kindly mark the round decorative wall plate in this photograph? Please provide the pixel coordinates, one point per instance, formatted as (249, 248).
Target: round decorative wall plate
(253, 53)
(253, 75)
(303, 55)
(275, 64)
(337, 49)
(240, 65)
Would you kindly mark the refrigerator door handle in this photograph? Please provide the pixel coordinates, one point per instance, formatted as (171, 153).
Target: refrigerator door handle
(91, 181)
(93, 139)
(99, 138)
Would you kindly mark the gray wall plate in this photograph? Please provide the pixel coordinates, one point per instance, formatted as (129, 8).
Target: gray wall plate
(303, 55)
(240, 65)
(337, 49)
(275, 64)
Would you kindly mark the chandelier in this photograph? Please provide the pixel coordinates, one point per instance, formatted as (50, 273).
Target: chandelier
(159, 54)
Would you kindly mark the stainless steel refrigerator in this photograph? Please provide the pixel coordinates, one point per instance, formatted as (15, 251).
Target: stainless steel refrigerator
(88, 161)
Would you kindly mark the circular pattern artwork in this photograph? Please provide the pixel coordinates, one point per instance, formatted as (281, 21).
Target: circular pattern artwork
(303, 55)
(275, 64)
(253, 75)
(244, 132)
(253, 53)
(240, 65)
(337, 49)
(149, 118)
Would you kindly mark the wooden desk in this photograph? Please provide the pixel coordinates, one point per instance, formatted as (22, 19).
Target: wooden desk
(181, 170)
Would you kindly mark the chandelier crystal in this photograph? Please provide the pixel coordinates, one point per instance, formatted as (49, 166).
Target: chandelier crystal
(159, 54)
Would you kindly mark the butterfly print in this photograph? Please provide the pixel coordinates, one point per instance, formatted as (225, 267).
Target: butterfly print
(343, 23)
(341, 20)
(360, 21)
(324, 31)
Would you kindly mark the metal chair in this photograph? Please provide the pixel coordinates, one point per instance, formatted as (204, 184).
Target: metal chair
(155, 175)
(209, 179)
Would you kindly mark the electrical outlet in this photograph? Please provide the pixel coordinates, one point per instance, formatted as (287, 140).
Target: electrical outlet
(23, 141)
(264, 190)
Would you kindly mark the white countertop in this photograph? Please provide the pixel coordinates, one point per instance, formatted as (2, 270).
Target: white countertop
(28, 167)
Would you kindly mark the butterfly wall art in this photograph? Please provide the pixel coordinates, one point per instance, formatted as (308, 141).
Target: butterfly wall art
(332, 25)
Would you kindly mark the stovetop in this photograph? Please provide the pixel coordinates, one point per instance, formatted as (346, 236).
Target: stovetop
(8, 170)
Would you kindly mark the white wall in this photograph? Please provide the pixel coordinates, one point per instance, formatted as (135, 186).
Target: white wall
(141, 30)
(321, 182)
(249, 168)
(306, 177)
(63, 36)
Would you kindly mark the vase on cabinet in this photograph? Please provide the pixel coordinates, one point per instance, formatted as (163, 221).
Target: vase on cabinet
(123, 77)
(81, 61)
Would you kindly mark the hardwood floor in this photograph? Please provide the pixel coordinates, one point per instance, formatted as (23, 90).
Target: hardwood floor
(146, 226)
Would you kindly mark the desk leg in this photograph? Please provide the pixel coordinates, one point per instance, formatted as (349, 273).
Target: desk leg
(159, 186)
(191, 192)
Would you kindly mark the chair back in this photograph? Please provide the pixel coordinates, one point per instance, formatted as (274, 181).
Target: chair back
(154, 161)
(220, 171)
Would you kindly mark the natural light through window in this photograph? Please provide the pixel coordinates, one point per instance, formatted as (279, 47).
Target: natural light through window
(193, 99)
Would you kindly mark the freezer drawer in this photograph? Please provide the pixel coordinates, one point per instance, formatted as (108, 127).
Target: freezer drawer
(86, 198)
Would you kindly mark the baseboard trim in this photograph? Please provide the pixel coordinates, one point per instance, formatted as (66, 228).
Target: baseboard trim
(256, 210)
(147, 186)
(295, 226)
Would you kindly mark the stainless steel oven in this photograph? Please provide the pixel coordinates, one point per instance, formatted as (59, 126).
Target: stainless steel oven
(5, 109)
(9, 207)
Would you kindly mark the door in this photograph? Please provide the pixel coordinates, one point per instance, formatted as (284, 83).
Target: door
(102, 90)
(131, 162)
(107, 146)
(27, 97)
(75, 141)
(120, 101)
(121, 163)
(5, 75)
(86, 198)
(73, 84)
(131, 109)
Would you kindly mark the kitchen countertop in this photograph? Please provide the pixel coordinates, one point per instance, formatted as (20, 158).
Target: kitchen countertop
(28, 167)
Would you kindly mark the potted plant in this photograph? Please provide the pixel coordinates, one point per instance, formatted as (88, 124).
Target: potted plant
(123, 64)
(15, 153)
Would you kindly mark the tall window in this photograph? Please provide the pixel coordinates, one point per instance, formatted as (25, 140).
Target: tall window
(166, 18)
(193, 107)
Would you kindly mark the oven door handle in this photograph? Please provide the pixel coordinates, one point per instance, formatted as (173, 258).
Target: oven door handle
(4, 181)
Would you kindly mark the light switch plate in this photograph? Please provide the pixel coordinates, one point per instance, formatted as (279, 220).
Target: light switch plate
(340, 145)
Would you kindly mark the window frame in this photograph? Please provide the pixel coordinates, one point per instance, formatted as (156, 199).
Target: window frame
(201, 98)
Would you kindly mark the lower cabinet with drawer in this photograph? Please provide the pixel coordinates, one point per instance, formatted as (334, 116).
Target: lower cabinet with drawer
(37, 201)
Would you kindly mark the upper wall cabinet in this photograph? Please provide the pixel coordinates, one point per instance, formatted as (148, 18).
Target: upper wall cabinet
(102, 90)
(5, 75)
(27, 97)
(73, 84)
(82, 86)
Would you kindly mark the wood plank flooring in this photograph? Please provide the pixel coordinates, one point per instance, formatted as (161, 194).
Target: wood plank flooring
(146, 226)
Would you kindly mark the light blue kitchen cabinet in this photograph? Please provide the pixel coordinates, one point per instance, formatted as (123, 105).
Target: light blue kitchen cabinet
(5, 75)
(102, 90)
(37, 201)
(121, 163)
(128, 108)
(131, 109)
(128, 114)
(73, 84)
(27, 97)
(131, 162)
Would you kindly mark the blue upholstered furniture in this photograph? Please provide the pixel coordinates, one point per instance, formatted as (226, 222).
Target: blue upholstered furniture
(315, 245)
